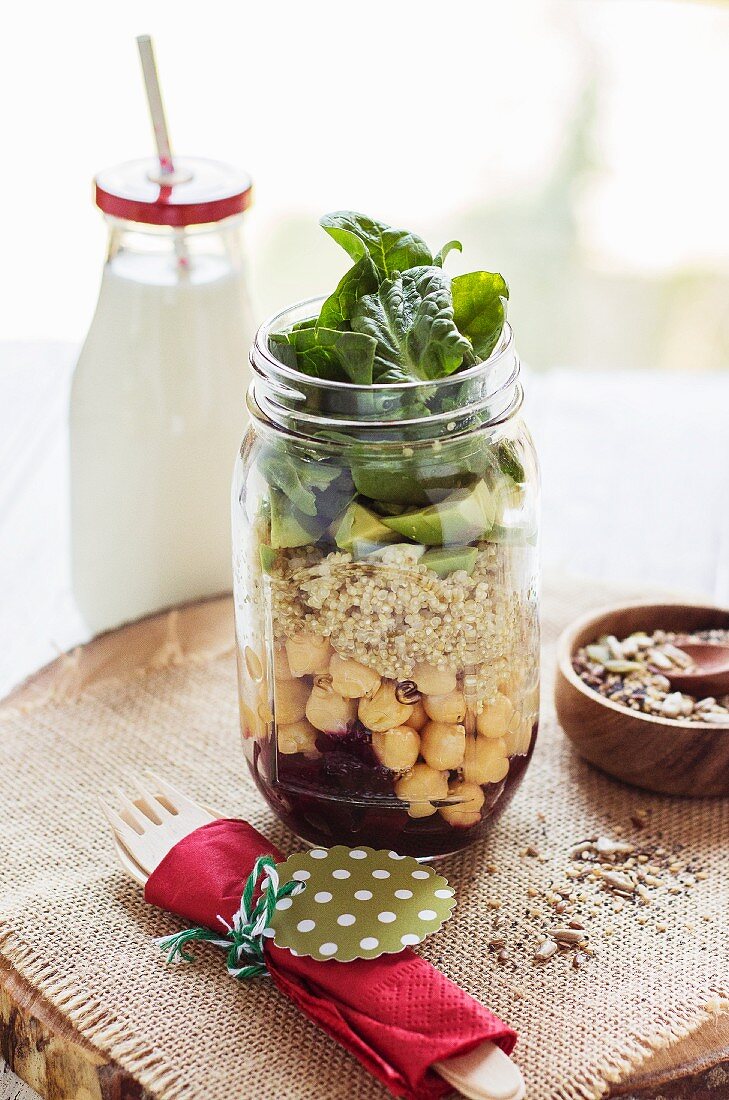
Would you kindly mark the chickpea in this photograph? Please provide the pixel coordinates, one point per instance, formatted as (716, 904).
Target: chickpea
(251, 724)
(290, 700)
(351, 679)
(328, 711)
(509, 685)
(263, 708)
(443, 745)
(281, 668)
(419, 786)
(493, 721)
(418, 718)
(382, 711)
(396, 749)
(254, 665)
(519, 735)
(434, 681)
(308, 653)
(445, 708)
(298, 737)
(485, 760)
(463, 814)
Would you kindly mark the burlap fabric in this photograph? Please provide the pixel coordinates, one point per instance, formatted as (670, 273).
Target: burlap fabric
(79, 931)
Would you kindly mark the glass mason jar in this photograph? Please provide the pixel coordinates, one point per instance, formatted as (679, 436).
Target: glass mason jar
(385, 579)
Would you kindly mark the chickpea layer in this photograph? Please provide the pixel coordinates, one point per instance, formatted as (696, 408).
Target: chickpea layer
(416, 725)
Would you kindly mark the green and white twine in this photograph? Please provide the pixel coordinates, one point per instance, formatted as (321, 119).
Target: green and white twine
(244, 939)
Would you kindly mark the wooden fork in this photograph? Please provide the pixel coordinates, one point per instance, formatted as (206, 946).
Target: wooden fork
(151, 821)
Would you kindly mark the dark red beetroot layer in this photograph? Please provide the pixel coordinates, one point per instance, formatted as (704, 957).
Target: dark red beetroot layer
(345, 797)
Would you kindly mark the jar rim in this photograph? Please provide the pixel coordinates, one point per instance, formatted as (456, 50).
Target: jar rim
(273, 324)
(486, 393)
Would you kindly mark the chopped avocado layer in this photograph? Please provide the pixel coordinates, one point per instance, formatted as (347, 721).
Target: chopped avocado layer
(289, 526)
(448, 559)
(464, 516)
(360, 531)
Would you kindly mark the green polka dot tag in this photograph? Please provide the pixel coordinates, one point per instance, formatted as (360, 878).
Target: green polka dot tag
(358, 903)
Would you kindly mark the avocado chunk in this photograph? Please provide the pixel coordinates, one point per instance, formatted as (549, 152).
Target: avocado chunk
(519, 534)
(359, 531)
(289, 526)
(447, 559)
(268, 557)
(463, 516)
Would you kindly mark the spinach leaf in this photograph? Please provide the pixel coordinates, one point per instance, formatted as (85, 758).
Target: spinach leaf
(359, 280)
(328, 353)
(297, 477)
(509, 461)
(411, 318)
(390, 249)
(439, 258)
(282, 347)
(479, 308)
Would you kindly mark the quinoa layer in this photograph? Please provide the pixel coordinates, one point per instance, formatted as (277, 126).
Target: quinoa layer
(394, 614)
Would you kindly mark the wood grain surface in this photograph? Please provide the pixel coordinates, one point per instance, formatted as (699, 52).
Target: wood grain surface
(47, 1053)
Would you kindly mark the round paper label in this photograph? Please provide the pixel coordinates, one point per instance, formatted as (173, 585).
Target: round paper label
(358, 903)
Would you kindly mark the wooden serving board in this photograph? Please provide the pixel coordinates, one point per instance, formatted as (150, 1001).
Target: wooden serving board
(43, 1048)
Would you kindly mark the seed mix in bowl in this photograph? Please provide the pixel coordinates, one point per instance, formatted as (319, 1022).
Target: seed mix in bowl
(632, 673)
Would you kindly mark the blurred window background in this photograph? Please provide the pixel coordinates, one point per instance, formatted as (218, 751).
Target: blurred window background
(577, 146)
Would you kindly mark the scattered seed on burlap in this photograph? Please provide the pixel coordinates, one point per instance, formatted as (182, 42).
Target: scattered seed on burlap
(615, 874)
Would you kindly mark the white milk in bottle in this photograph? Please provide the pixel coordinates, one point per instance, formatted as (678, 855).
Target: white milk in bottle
(158, 397)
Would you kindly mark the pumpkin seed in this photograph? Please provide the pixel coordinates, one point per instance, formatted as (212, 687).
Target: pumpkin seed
(621, 665)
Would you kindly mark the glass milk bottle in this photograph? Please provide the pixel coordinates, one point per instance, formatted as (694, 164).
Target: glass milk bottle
(156, 405)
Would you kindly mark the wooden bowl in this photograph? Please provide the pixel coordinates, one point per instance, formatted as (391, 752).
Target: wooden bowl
(658, 754)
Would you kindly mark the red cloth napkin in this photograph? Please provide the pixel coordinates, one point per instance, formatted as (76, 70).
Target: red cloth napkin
(396, 1014)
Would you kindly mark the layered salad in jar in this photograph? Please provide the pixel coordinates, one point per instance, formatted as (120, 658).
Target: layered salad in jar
(385, 556)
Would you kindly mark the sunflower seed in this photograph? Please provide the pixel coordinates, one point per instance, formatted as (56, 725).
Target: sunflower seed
(620, 883)
(570, 937)
(604, 846)
(660, 660)
(545, 951)
(678, 656)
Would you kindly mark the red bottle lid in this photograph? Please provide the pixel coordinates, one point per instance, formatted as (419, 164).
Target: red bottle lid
(196, 192)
